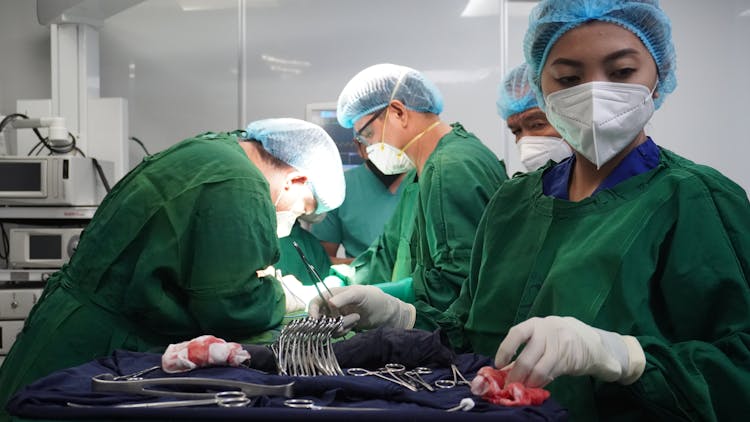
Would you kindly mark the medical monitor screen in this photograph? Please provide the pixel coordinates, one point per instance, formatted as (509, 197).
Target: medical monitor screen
(324, 115)
(45, 247)
(20, 177)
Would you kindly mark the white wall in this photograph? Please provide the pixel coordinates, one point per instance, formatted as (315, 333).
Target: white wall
(24, 57)
(185, 63)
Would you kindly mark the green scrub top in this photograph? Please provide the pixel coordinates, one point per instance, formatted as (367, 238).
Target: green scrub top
(662, 256)
(389, 257)
(360, 219)
(171, 254)
(290, 261)
(456, 183)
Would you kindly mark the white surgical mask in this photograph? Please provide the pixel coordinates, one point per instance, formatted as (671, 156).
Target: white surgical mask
(599, 119)
(391, 160)
(285, 219)
(536, 151)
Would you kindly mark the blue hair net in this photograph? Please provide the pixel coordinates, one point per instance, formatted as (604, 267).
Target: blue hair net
(514, 95)
(550, 19)
(376, 86)
(309, 149)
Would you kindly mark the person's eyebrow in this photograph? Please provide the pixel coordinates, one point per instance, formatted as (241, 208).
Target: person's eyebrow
(621, 53)
(567, 62)
(536, 114)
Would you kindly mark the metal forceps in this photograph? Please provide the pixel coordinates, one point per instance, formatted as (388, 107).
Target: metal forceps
(390, 369)
(458, 379)
(331, 311)
(221, 399)
(150, 387)
(308, 404)
(416, 375)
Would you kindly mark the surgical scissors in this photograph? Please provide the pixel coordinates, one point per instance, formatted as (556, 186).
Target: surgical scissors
(390, 369)
(221, 399)
(458, 378)
(308, 404)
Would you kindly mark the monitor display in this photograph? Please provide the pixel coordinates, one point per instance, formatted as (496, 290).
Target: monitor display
(45, 247)
(20, 177)
(324, 115)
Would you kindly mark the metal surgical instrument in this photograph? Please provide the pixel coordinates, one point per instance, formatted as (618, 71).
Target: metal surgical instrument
(458, 379)
(390, 369)
(149, 387)
(221, 399)
(308, 404)
(416, 375)
(136, 375)
(331, 311)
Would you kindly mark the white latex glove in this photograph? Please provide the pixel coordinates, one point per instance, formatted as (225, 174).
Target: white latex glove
(295, 294)
(298, 295)
(557, 346)
(367, 307)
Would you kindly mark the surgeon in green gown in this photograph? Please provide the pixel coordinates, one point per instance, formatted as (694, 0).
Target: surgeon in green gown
(622, 271)
(181, 247)
(394, 111)
(290, 261)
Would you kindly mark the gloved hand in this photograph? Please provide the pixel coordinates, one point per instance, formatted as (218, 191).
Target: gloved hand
(367, 307)
(566, 346)
(295, 294)
(299, 295)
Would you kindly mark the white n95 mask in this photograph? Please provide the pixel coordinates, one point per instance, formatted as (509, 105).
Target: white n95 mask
(536, 151)
(389, 159)
(285, 219)
(599, 119)
(285, 222)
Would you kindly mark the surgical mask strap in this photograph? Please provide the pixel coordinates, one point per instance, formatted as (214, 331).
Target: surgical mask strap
(388, 108)
(419, 135)
(278, 198)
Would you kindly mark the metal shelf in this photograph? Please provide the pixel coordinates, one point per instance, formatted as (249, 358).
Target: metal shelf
(47, 213)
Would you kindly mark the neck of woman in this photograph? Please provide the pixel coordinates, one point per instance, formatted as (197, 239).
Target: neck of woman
(585, 177)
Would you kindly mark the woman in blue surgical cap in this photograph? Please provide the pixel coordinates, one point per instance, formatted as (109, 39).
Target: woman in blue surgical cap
(616, 279)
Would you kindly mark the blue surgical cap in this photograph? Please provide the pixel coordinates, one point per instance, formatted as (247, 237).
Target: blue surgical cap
(375, 87)
(550, 19)
(307, 148)
(514, 95)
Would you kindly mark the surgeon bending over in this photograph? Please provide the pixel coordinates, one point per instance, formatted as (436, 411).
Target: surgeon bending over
(179, 247)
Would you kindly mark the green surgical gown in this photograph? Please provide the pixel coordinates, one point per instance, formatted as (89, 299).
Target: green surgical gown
(171, 254)
(663, 256)
(389, 257)
(455, 186)
(436, 220)
(368, 205)
(290, 261)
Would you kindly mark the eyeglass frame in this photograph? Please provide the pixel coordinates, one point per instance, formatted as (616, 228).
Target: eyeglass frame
(358, 134)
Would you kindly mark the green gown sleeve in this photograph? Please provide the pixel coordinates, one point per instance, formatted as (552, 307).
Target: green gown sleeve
(699, 369)
(454, 190)
(231, 237)
(389, 257)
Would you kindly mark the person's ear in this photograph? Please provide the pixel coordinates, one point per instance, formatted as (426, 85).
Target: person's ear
(399, 112)
(293, 178)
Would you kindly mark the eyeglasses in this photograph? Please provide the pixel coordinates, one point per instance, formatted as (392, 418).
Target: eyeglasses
(358, 135)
